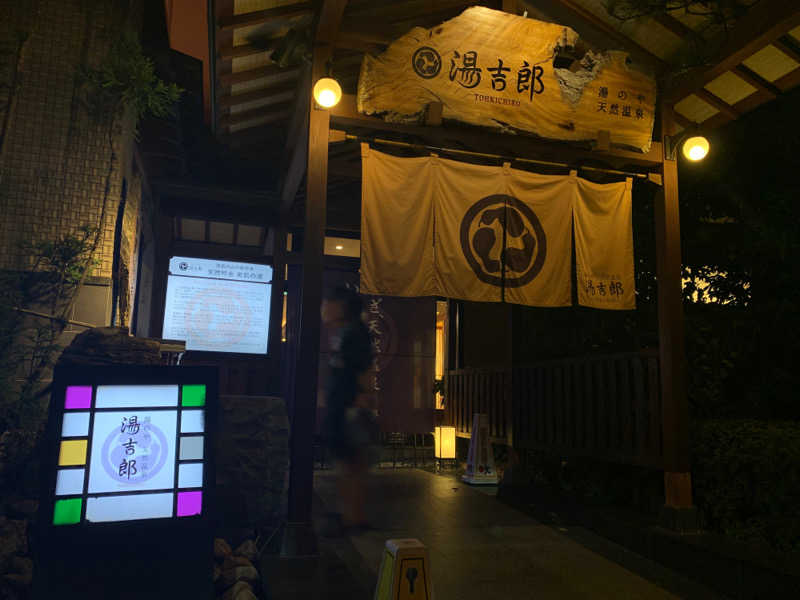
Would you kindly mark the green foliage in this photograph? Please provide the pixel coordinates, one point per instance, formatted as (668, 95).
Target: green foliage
(127, 79)
(29, 345)
(746, 479)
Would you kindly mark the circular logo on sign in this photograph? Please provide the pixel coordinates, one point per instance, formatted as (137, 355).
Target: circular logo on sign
(183, 266)
(134, 452)
(482, 241)
(218, 317)
(426, 62)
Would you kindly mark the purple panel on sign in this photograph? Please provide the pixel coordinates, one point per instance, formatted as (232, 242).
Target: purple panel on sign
(189, 503)
(78, 396)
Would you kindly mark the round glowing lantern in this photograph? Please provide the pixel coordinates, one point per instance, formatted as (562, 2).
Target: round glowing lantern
(327, 92)
(695, 148)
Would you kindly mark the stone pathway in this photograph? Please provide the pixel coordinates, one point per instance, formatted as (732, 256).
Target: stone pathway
(481, 548)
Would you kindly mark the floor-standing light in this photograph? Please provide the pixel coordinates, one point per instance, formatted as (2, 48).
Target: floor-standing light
(444, 443)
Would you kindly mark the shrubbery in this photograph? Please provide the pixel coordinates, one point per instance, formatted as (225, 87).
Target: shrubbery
(746, 477)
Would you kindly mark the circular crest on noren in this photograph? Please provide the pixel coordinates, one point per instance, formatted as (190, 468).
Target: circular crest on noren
(426, 62)
(482, 241)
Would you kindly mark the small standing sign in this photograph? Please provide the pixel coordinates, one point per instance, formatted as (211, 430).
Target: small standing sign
(128, 480)
(480, 460)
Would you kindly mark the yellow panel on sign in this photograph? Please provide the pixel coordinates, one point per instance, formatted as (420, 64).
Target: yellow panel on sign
(413, 580)
(72, 453)
(404, 572)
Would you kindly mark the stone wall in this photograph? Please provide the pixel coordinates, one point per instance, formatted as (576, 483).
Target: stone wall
(252, 460)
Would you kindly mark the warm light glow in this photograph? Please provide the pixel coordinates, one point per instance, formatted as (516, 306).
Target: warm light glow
(327, 92)
(340, 247)
(444, 442)
(695, 148)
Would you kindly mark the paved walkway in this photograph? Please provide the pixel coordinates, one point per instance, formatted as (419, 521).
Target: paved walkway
(481, 548)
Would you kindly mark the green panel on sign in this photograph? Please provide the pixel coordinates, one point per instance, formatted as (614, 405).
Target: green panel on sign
(193, 395)
(67, 512)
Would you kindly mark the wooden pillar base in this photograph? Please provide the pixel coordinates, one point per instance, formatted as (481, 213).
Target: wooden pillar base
(299, 541)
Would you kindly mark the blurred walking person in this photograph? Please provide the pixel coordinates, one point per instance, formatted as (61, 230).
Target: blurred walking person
(348, 423)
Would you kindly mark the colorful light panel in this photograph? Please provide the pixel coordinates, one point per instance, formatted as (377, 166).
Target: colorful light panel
(129, 508)
(189, 503)
(67, 512)
(78, 396)
(193, 395)
(190, 475)
(72, 453)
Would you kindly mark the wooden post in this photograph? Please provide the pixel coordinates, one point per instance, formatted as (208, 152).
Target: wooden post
(679, 512)
(305, 391)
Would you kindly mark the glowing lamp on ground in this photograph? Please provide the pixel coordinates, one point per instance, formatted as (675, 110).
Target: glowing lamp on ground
(444, 442)
(327, 92)
(695, 148)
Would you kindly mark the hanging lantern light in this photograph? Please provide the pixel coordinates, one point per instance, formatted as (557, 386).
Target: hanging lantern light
(696, 148)
(327, 92)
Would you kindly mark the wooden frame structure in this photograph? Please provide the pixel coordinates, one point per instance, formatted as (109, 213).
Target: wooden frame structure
(282, 96)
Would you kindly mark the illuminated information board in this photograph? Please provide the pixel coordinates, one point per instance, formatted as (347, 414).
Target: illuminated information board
(218, 306)
(130, 454)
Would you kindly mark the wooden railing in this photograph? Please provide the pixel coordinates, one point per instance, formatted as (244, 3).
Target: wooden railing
(606, 407)
(487, 391)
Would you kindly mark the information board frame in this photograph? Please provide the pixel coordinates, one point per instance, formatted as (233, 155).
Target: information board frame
(273, 309)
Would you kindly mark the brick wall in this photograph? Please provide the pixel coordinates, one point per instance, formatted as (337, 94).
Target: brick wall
(55, 155)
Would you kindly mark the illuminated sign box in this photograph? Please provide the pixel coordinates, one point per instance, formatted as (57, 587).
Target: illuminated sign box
(129, 472)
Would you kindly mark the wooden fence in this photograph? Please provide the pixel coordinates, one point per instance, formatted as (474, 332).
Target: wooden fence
(607, 407)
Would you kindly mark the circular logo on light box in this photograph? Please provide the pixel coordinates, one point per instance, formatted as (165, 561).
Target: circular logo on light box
(134, 452)
(218, 317)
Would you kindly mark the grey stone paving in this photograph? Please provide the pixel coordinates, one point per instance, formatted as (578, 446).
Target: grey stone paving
(480, 548)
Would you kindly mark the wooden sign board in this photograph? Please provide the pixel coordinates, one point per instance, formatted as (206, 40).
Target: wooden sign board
(495, 69)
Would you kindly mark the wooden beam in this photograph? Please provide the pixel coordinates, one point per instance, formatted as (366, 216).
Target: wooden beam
(270, 95)
(269, 114)
(258, 134)
(272, 72)
(785, 45)
(758, 82)
(753, 101)
(231, 52)
(345, 116)
(717, 103)
(672, 356)
(681, 120)
(672, 24)
(363, 41)
(258, 17)
(765, 22)
(578, 15)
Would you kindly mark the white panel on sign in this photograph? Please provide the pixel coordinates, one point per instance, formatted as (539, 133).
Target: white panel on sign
(129, 507)
(124, 396)
(190, 475)
(75, 424)
(133, 450)
(69, 482)
(192, 421)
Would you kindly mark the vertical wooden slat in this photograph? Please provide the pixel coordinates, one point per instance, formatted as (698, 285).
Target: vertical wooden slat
(642, 415)
(654, 405)
(612, 405)
(588, 403)
(601, 414)
(569, 404)
(624, 405)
